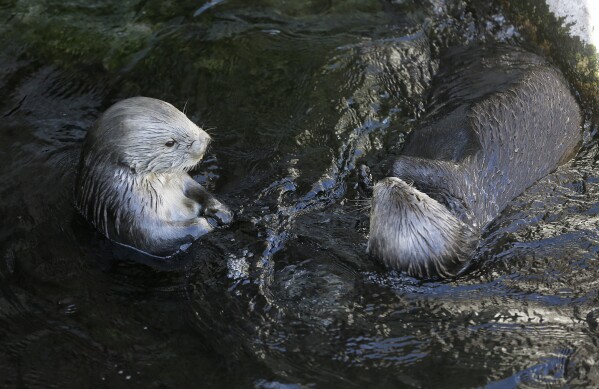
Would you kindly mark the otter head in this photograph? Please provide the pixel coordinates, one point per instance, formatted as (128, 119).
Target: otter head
(412, 232)
(147, 135)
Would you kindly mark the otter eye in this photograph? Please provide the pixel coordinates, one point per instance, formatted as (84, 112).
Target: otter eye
(170, 143)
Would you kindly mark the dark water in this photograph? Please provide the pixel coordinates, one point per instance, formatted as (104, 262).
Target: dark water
(299, 94)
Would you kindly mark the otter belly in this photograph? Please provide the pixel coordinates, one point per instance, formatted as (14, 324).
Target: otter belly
(503, 120)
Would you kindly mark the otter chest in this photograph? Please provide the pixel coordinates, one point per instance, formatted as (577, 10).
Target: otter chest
(172, 203)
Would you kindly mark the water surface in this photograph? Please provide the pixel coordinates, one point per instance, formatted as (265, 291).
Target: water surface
(297, 95)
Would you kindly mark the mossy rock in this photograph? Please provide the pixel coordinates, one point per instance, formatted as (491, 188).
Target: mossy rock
(579, 61)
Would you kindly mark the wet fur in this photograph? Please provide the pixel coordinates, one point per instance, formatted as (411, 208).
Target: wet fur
(471, 156)
(134, 188)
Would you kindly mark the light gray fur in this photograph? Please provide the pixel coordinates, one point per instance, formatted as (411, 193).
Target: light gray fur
(134, 188)
(424, 234)
(467, 162)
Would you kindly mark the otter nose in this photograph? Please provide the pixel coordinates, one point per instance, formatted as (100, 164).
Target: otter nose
(197, 148)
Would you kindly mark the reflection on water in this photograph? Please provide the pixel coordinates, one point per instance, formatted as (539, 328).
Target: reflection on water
(298, 95)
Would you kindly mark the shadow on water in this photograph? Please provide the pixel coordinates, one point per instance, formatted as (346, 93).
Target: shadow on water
(297, 95)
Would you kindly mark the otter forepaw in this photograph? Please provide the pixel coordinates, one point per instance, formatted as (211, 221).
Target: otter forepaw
(220, 213)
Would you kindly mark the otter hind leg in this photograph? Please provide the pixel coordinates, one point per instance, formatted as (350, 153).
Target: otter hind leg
(165, 238)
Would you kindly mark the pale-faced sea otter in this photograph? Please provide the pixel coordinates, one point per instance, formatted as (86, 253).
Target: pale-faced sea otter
(499, 119)
(133, 184)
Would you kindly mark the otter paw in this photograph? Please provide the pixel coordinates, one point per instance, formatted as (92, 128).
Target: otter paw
(220, 213)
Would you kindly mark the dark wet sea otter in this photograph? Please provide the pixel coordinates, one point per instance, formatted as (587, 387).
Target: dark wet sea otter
(132, 182)
(499, 119)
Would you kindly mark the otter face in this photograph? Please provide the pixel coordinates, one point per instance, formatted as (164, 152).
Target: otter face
(151, 136)
(157, 147)
(411, 232)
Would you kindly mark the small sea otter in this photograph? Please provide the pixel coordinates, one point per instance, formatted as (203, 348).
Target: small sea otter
(499, 119)
(133, 184)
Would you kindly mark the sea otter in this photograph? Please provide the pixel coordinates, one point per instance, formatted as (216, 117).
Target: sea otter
(133, 184)
(498, 120)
